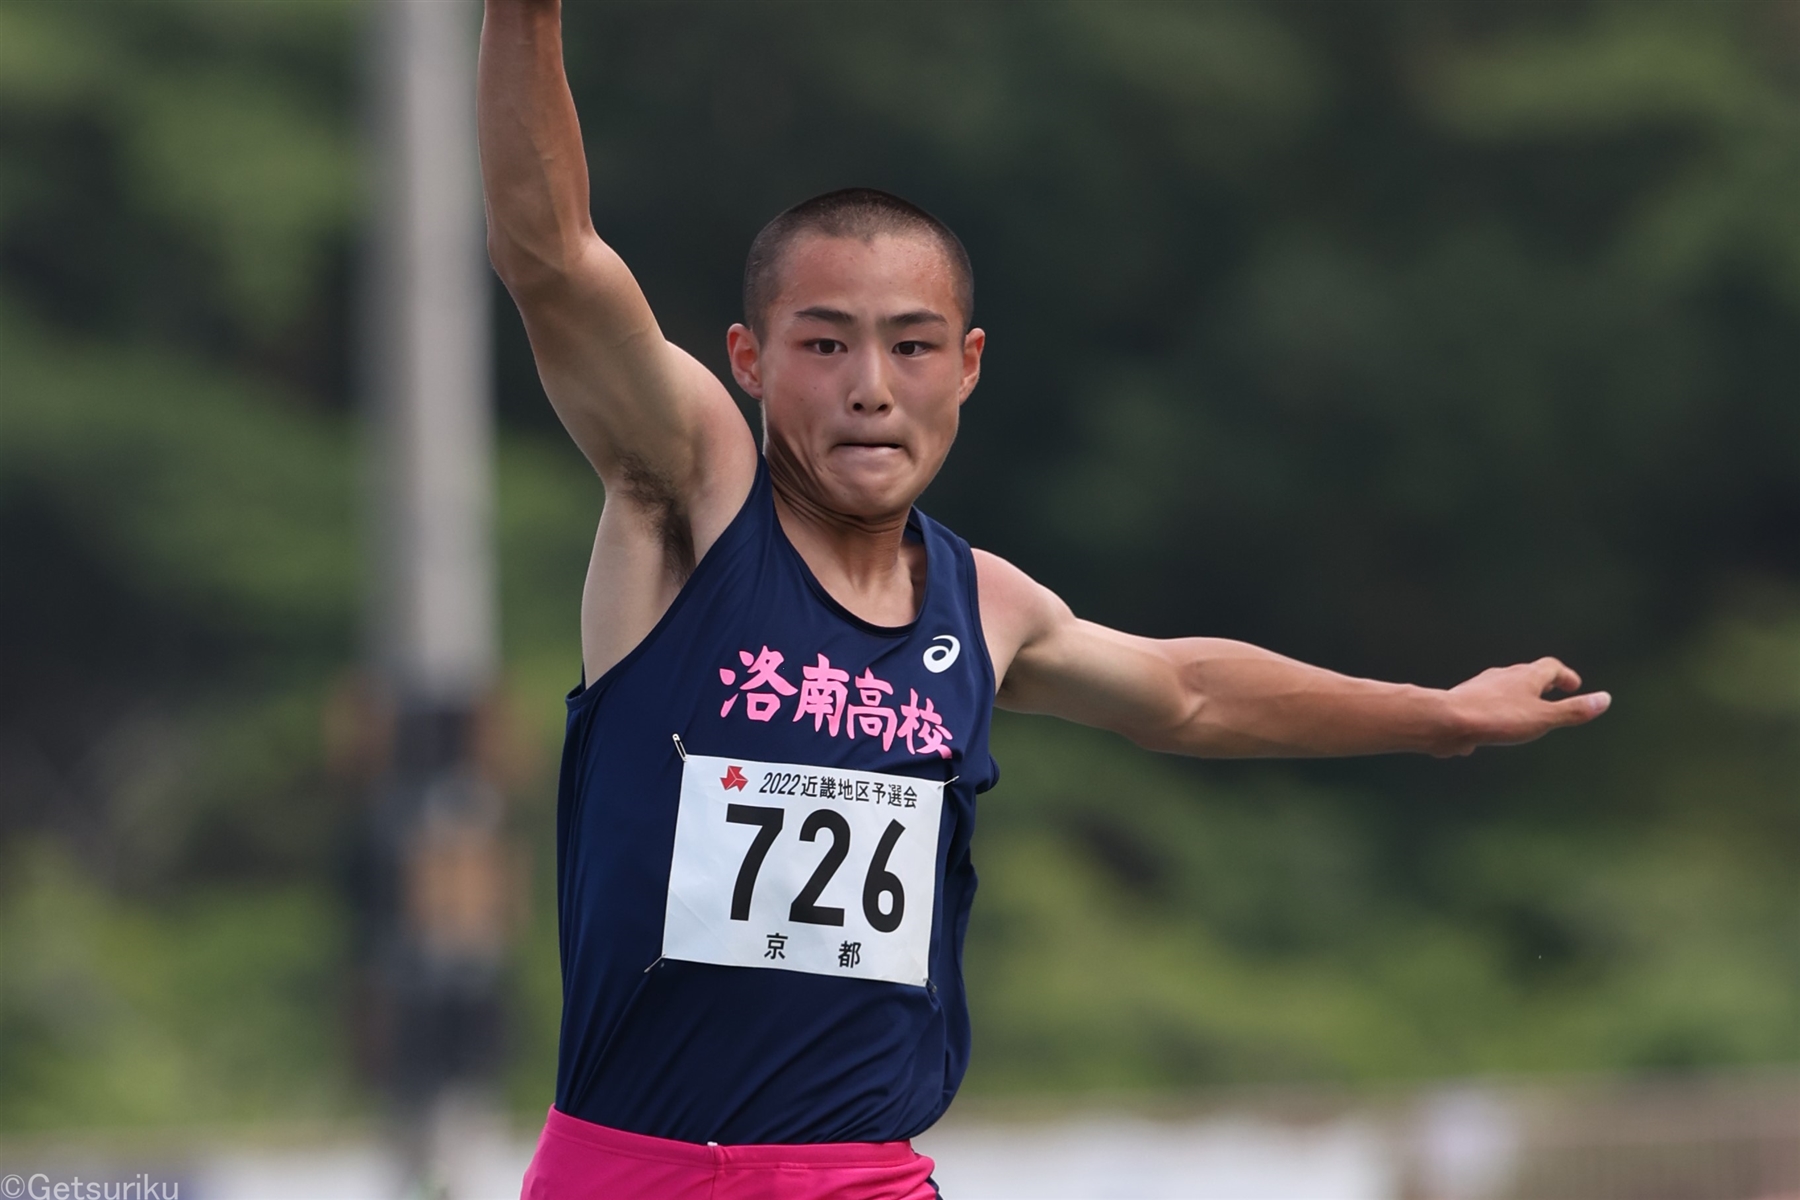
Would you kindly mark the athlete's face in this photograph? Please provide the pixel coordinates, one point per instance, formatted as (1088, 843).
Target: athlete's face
(862, 371)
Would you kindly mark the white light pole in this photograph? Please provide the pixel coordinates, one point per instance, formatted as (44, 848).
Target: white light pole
(438, 887)
(430, 358)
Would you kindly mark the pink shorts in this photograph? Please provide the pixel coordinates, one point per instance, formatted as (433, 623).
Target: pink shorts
(579, 1160)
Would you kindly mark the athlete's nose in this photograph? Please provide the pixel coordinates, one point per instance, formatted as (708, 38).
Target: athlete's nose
(869, 390)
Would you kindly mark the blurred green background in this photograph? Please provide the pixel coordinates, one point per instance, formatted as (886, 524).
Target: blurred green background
(1407, 337)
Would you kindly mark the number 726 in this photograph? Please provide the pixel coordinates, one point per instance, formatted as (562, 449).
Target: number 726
(806, 909)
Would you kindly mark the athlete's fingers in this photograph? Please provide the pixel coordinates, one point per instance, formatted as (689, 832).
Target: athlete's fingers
(1555, 675)
(1578, 710)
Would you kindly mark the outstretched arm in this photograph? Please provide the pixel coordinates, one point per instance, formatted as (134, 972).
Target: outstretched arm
(1226, 699)
(676, 456)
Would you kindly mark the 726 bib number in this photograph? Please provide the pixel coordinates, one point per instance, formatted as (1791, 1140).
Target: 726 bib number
(804, 869)
(806, 909)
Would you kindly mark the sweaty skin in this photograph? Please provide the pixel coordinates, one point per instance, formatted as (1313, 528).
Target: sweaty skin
(861, 367)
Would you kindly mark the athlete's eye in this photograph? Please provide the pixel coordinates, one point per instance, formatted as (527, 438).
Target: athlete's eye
(827, 345)
(909, 349)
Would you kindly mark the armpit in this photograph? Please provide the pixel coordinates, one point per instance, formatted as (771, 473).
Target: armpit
(657, 497)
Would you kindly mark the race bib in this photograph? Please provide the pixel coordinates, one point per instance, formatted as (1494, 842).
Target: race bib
(804, 869)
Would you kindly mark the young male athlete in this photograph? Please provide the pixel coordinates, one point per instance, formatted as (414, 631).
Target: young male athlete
(769, 781)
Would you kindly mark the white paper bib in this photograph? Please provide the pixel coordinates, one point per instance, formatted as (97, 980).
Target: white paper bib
(801, 868)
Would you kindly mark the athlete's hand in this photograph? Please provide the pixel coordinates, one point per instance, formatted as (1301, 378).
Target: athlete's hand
(1504, 706)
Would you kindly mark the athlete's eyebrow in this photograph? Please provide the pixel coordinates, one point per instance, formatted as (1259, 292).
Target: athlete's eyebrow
(921, 316)
(834, 316)
(837, 316)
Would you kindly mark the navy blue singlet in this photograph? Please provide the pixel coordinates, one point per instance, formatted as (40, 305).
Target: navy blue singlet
(754, 661)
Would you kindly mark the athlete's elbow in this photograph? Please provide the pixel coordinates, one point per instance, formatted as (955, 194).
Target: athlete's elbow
(526, 243)
(1182, 727)
(1190, 742)
(1210, 727)
(524, 271)
(1158, 741)
(499, 256)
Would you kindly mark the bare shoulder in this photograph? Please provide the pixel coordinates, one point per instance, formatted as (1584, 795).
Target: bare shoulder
(661, 517)
(1016, 610)
(681, 502)
(724, 449)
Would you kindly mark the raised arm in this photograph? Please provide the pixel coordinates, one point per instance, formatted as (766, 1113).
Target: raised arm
(1224, 699)
(675, 454)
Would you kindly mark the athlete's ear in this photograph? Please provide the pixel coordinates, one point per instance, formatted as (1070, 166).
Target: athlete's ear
(746, 359)
(974, 342)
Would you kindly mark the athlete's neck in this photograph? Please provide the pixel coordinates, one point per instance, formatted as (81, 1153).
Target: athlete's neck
(865, 563)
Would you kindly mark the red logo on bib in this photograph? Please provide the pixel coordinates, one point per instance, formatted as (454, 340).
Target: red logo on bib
(734, 778)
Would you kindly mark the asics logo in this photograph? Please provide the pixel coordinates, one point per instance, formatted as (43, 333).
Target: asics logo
(939, 657)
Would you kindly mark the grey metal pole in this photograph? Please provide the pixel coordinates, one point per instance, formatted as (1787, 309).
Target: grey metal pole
(437, 611)
(440, 888)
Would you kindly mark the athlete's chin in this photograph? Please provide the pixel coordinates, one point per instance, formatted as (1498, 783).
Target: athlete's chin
(874, 504)
(876, 490)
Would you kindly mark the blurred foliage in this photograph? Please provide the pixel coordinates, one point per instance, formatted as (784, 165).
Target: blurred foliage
(1405, 337)
(206, 1008)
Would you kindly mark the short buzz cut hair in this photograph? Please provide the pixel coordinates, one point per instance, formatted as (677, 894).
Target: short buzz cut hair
(859, 213)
